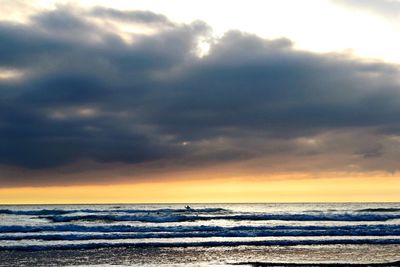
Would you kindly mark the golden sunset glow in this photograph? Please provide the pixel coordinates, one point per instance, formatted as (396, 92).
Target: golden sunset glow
(280, 188)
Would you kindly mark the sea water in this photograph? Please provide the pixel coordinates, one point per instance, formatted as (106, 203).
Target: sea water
(199, 234)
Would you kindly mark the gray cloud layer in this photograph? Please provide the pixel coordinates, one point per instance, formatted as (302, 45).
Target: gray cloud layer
(86, 94)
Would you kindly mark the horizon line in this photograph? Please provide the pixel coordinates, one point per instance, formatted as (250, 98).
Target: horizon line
(204, 203)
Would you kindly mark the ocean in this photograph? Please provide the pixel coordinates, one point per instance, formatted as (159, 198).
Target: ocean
(199, 234)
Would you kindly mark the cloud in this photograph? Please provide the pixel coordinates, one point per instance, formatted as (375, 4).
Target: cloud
(87, 95)
(137, 16)
(388, 8)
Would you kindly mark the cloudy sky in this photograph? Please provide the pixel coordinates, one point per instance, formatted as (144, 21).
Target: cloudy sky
(176, 101)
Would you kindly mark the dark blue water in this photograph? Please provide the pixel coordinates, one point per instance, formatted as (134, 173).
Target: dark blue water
(223, 226)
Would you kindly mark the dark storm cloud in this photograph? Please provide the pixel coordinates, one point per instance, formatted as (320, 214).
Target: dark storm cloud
(250, 83)
(145, 17)
(86, 94)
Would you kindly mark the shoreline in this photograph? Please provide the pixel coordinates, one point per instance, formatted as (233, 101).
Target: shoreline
(257, 256)
(288, 264)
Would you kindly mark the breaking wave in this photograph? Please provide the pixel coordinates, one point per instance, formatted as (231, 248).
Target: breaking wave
(73, 226)
(380, 210)
(382, 228)
(240, 217)
(205, 244)
(226, 232)
(115, 210)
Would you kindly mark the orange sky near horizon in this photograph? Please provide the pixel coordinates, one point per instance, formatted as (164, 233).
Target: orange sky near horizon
(376, 188)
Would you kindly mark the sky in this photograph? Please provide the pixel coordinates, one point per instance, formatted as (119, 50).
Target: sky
(154, 101)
